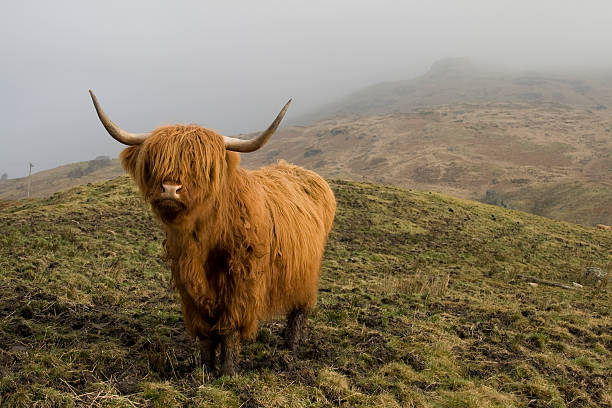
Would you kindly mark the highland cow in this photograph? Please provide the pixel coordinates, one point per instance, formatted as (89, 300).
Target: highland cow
(243, 246)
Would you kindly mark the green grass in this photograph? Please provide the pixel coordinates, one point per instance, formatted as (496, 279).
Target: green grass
(419, 305)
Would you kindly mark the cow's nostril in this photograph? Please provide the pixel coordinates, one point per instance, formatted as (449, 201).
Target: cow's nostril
(179, 188)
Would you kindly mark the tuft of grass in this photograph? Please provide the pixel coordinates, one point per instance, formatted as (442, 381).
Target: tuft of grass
(162, 394)
(434, 285)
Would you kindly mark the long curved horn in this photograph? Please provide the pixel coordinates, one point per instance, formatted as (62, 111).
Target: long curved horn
(115, 131)
(246, 146)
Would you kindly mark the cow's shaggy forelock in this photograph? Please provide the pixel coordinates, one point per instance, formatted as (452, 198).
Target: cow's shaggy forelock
(189, 155)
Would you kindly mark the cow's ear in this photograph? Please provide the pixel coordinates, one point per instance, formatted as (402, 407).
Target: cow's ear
(233, 161)
(129, 159)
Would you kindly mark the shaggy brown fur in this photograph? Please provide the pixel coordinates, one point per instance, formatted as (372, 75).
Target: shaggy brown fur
(243, 245)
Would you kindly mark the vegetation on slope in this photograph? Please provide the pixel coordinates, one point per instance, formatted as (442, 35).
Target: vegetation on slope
(420, 305)
(551, 160)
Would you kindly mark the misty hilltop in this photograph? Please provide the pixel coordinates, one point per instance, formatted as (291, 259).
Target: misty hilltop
(461, 80)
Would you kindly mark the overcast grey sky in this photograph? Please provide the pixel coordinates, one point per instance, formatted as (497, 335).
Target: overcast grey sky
(232, 65)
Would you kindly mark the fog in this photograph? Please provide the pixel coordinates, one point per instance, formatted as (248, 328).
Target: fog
(232, 66)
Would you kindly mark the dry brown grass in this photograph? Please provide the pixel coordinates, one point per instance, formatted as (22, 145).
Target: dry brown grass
(427, 284)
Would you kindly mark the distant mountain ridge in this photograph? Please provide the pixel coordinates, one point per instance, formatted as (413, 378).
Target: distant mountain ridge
(460, 80)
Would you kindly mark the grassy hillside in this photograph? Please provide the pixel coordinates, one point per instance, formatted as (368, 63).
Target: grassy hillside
(547, 159)
(460, 80)
(421, 304)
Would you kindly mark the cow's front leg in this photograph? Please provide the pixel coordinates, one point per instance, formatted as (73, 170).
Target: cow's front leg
(208, 352)
(230, 349)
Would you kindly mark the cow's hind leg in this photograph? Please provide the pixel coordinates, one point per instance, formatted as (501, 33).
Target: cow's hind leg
(208, 352)
(294, 331)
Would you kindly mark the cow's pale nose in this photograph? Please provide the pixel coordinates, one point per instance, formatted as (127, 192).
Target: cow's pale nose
(170, 190)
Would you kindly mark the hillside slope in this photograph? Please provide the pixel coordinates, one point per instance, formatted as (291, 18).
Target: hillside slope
(421, 304)
(46, 182)
(460, 80)
(551, 160)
